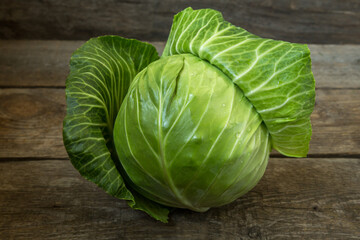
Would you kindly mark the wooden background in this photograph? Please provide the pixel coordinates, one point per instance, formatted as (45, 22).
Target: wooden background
(306, 21)
(43, 197)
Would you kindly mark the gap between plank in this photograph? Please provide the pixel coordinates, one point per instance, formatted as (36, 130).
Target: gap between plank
(319, 155)
(20, 159)
(63, 87)
(32, 87)
(351, 156)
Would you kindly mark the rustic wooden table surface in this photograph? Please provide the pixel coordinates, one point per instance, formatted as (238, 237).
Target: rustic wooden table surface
(43, 197)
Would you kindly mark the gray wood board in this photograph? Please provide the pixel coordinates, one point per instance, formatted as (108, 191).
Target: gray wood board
(43, 197)
(46, 63)
(296, 199)
(308, 21)
(31, 123)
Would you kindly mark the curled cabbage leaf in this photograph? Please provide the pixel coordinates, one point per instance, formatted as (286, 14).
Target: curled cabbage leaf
(194, 128)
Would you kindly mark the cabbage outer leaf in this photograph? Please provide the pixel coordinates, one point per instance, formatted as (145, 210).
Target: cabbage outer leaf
(100, 74)
(274, 75)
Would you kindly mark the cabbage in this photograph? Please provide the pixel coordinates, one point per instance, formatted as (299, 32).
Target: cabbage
(193, 129)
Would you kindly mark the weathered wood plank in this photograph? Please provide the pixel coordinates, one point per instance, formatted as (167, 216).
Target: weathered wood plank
(336, 122)
(308, 21)
(46, 63)
(35, 63)
(296, 199)
(31, 122)
(336, 66)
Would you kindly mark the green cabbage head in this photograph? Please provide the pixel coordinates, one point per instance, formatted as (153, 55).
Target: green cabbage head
(194, 128)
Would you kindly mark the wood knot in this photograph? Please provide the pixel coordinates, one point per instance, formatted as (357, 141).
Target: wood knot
(21, 106)
(255, 232)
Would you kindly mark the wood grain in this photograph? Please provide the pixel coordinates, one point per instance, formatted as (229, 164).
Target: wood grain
(336, 66)
(31, 123)
(43, 197)
(296, 199)
(46, 63)
(35, 63)
(332, 21)
(336, 122)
